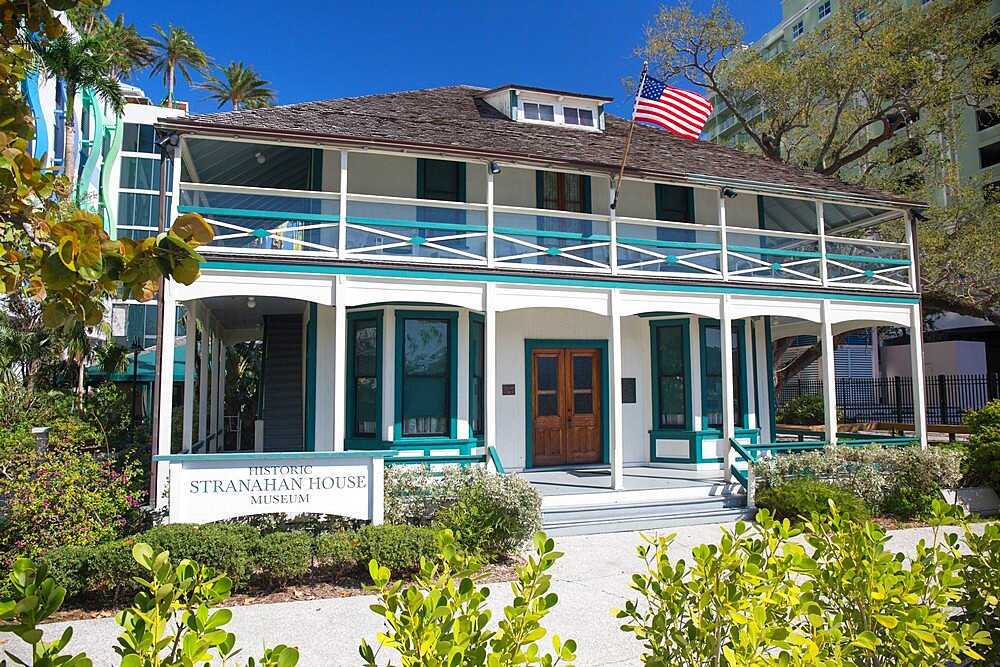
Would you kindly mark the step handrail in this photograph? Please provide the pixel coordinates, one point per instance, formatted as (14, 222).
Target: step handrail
(494, 456)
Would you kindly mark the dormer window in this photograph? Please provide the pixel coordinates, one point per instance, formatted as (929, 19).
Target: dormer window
(536, 111)
(574, 116)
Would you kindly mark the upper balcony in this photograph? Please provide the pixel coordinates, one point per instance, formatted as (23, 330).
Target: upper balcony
(276, 200)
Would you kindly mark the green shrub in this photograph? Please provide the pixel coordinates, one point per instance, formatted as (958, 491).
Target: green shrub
(399, 548)
(112, 570)
(984, 446)
(760, 596)
(336, 551)
(483, 522)
(70, 568)
(800, 498)
(888, 479)
(804, 410)
(66, 497)
(281, 557)
(980, 602)
(441, 619)
(223, 548)
(418, 496)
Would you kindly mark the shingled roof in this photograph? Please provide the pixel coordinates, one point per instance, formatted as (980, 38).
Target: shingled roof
(457, 119)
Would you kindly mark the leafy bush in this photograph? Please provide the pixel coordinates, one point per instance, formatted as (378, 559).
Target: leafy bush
(888, 479)
(226, 549)
(171, 624)
(112, 570)
(506, 502)
(399, 548)
(805, 410)
(980, 602)
(483, 523)
(762, 597)
(70, 568)
(336, 551)
(441, 619)
(66, 497)
(802, 497)
(280, 557)
(984, 446)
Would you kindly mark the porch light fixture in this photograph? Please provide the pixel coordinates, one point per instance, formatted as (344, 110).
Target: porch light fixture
(494, 167)
(730, 193)
(920, 217)
(251, 302)
(260, 157)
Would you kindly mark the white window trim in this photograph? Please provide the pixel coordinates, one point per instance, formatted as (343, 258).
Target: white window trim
(559, 114)
(801, 32)
(819, 10)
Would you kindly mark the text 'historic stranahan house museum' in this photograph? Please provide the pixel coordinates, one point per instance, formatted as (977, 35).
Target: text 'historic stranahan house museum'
(440, 273)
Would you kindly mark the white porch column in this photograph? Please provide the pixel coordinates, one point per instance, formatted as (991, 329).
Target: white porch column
(723, 240)
(166, 388)
(190, 345)
(490, 215)
(327, 394)
(342, 226)
(829, 376)
(213, 421)
(220, 429)
(917, 374)
(490, 364)
(204, 374)
(617, 453)
(613, 231)
(728, 383)
(763, 382)
(340, 356)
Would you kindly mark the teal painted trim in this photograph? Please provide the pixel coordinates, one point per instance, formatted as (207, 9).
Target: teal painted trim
(769, 351)
(476, 318)
(761, 219)
(461, 182)
(662, 314)
(272, 456)
(316, 167)
(539, 189)
(495, 457)
(433, 274)
(692, 214)
(110, 208)
(91, 105)
(654, 327)
(741, 383)
(529, 345)
(588, 199)
(740, 476)
(349, 390)
(463, 459)
(513, 231)
(670, 244)
(452, 318)
(34, 101)
(772, 252)
(250, 213)
(755, 370)
(695, 441)
(311, 408)
(425, 445)
(416, 225)
(870, 260)
(513, 105)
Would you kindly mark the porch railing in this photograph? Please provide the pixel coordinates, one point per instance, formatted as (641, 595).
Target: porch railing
(373, 227)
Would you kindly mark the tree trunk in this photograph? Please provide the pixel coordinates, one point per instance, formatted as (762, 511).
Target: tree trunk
(80, 373)
(69, 145)
(806, 357)
(170, 87)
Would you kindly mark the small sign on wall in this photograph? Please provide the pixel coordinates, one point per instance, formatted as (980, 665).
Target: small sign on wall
(628, 390)
(506, 390)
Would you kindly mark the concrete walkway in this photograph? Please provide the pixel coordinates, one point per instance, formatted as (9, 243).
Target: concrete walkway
(590, 579)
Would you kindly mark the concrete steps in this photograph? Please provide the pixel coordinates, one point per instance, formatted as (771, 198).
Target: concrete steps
(612, 512)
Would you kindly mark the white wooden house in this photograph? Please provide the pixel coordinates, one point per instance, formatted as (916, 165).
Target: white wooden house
(440, 273)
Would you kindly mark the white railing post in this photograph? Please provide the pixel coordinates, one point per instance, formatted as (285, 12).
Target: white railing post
(490, 213)
(204, 372)
(911, 243)
(917, 374)
(342, 228)
(829, 369)
(340, 364)
(490, 364)
(723, 238)
(821, 228)
(190, 346)
(617, 431)
(165, 405)
(728, 384)
(613, 232)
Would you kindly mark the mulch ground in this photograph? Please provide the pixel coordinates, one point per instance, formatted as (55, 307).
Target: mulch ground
(341, 587)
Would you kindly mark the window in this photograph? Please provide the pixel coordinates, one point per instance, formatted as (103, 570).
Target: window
(425, 387)
(538, 111)
(365, 333)
(860, 15)
(138, 138)
(671, 390)
(563, 192)
(674, 203)
(59, 126)
(905, 150)
(986, 118)
(575, 116)
(823, 10)
(143, 174)
(989, 155)
(139, 210)
(477, 360)
(711, 354)
(441, 179)
(797, 30)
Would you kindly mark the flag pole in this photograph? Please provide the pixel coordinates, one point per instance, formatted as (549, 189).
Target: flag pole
(628, 138)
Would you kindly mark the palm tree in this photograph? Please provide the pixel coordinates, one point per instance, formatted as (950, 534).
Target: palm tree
(128, 50)
(175, 50)
(80, 62)
(240, 86)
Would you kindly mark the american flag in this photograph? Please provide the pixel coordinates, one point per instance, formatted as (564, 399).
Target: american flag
(680, 111)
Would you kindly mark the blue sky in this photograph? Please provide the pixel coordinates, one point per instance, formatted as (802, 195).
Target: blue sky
(323, 49)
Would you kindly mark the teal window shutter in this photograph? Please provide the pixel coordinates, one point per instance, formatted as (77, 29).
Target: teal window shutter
(364, 374)
(674, 203)
(672, 371)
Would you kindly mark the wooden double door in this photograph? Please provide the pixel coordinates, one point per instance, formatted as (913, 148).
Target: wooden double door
(565, 406)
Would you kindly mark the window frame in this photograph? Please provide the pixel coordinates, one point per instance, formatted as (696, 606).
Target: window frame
(350, 432)
(798, 29)
(477, 320)
(820, 14)
(684, 325)
(451, 317)
(740, 384)
(559, 113)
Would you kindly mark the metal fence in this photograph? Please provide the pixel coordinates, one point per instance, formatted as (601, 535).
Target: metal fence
(891, 399)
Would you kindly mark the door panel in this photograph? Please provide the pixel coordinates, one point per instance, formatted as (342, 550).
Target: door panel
(566, 406)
